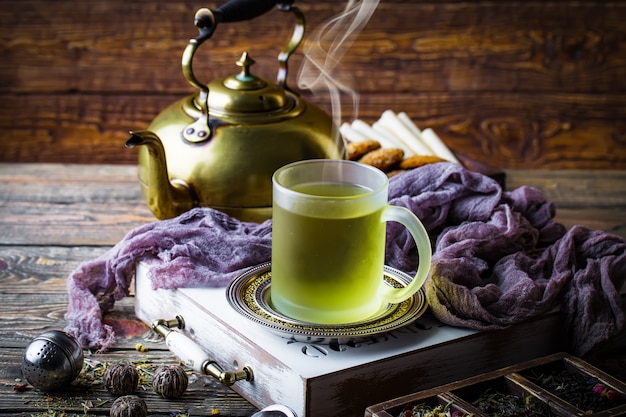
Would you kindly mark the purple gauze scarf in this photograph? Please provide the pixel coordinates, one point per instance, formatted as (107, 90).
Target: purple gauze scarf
(499, 258)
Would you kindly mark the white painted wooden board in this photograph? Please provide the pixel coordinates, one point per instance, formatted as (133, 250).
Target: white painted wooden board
(340, 379)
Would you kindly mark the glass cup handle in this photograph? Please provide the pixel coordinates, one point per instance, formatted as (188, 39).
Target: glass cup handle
(405, 217)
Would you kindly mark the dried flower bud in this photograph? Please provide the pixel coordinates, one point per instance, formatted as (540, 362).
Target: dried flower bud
(613, 396)
(598, 388)
(129, 406)
(170, 381)
(121, 379)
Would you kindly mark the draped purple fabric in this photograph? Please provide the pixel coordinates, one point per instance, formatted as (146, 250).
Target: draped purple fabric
(499, 258)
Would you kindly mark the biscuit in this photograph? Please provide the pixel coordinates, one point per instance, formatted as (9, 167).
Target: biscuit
(383, 158)
(415, 161)
(355, 150)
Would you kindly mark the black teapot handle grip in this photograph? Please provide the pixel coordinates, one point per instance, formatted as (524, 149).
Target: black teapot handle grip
(206, 21)
(235, 11)
(240, 10)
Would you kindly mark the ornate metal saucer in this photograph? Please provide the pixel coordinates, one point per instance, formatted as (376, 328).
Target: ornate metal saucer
(249, 293)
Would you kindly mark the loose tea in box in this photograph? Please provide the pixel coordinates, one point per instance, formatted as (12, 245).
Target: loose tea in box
(585, 392)
(498, 404)
(433, 409)
(503, 397)
(559, 385)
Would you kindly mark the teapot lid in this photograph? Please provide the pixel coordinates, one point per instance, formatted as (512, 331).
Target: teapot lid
(246, 94)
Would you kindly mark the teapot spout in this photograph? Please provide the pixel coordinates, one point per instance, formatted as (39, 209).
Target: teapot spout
(166, 198)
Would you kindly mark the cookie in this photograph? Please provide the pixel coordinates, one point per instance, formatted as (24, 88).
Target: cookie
(415, 161)
(383, 158)
(356, 150)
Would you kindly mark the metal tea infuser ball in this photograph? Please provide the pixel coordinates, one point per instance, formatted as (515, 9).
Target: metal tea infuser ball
(52, 360)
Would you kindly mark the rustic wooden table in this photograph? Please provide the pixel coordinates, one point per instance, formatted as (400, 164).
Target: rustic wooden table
(53, 217)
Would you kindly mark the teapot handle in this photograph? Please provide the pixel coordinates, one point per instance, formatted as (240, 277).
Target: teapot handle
(206, 21)
(294, 42)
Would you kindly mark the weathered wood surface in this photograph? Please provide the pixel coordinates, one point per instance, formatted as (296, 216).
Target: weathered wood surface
(594, 199)
(53, 217)
(103, 202)
(525, 84)
(204, 396)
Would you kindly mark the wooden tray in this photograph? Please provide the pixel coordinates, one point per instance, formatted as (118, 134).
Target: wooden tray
(522, 380)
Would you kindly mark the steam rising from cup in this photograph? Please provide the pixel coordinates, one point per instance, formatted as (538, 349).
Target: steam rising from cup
(324, 50)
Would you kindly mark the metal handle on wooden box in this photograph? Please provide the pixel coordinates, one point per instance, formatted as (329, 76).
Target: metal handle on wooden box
(194, 356)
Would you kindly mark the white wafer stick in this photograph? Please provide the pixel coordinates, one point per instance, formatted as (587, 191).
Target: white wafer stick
(350, 134)
(404, 118)
(391, 121)
(389, 134)
(369, 132)
(436, 143)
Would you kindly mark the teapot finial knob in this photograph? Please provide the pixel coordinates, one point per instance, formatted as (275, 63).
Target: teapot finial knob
(245, 62)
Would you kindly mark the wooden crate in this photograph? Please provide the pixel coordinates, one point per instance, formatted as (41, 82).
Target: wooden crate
(519, 380)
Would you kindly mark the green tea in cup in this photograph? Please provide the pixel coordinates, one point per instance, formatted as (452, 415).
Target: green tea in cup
(328, 242)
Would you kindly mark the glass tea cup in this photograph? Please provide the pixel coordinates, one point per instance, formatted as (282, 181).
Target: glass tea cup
(328, 242)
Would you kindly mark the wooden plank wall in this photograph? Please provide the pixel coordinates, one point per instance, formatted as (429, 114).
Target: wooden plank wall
(516, 84)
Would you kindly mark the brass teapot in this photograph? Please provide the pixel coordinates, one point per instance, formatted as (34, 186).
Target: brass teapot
(220, 146)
